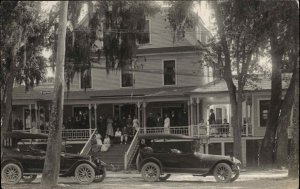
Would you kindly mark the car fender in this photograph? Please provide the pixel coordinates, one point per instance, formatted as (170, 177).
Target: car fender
(211, 170)
(6, 161)
(71, 170)
(151, 159)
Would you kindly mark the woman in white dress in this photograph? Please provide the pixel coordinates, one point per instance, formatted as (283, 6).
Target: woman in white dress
(109, 127)
(136, 125)
(106, 144)
(98, 139)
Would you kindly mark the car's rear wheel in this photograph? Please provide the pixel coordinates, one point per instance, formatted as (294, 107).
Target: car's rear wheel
(100, 178)
(150, 172)
(164, 177)
(11, 173)
(222, 172)
(235, 174)
(85, 173)
(29, 178)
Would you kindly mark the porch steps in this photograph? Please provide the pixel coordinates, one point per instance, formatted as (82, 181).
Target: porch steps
(114, 157)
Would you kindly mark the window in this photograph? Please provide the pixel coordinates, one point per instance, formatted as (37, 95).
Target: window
(126, 76)
(263, 112)
(144, 37)
(169, 72)
(86, 79)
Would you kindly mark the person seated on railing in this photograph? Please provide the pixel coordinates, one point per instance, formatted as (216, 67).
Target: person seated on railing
(118, 135)
(124, 136)
(106, 144)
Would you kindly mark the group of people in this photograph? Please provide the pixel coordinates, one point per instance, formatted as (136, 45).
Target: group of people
(115, 131)
(174, 119)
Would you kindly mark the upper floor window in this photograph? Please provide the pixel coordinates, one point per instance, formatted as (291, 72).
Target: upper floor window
(169, 72)
(144, 37)
(86, 79)
(263, 112)
(126, 76)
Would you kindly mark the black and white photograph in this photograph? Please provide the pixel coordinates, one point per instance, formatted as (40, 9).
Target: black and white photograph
(182, 94)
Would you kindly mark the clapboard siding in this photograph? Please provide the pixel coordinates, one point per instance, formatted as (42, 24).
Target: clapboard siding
(150, 75)
(161, 34)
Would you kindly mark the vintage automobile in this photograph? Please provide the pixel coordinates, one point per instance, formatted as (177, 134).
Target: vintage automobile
(162, 154)
(23, 161)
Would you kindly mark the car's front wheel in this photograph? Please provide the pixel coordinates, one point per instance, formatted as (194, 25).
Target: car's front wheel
(29, 178)
(100, 178)
(85, 173)
(235, 174)
(150, 172)
(164, 177)
(222, 172)
(11, 173)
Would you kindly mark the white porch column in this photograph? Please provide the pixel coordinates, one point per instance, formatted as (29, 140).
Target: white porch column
(197, 111)
(90, 120)
(30, 117)
(192, 117)
(36, 116)
(144, 116)
(95, 112)
(189, 112)
(138, 104)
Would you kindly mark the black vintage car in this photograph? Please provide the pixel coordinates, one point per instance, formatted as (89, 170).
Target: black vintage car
(162, 154)
(23, 161)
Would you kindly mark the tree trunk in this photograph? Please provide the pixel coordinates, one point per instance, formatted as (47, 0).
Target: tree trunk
(237, 140)
(294, 156)
(52, 160)
(234, 120)
(7, 101)
(266, 151)
(284, 122)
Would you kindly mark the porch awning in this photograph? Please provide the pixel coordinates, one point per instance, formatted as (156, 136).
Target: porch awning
(41, 93)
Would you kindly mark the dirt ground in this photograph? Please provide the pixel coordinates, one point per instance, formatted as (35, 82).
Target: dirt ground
(249, 179)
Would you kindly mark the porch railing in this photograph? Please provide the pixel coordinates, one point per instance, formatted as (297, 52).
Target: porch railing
(130, 153)
(70, 134)
(213, 130)
(183, 130)
(88, 145)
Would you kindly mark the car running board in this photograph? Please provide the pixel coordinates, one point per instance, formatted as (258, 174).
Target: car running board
(203, 175)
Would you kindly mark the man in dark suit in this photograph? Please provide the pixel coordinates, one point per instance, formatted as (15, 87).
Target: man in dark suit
(159, 122)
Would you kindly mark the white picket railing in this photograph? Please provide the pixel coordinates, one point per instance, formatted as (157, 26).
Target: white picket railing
(182, 130)
(88, 145)
(69, 134)
(130, 153)
(213, 130)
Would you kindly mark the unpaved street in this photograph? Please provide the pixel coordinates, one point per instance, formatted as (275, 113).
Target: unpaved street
(258, 179)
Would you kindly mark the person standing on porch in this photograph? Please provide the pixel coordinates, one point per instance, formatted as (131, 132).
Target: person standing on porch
(167, 124)
(109, 127)
(136, 124)
(159, 121)
(18, 124)
(212, 118)
(211, 121)
(173, 119)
